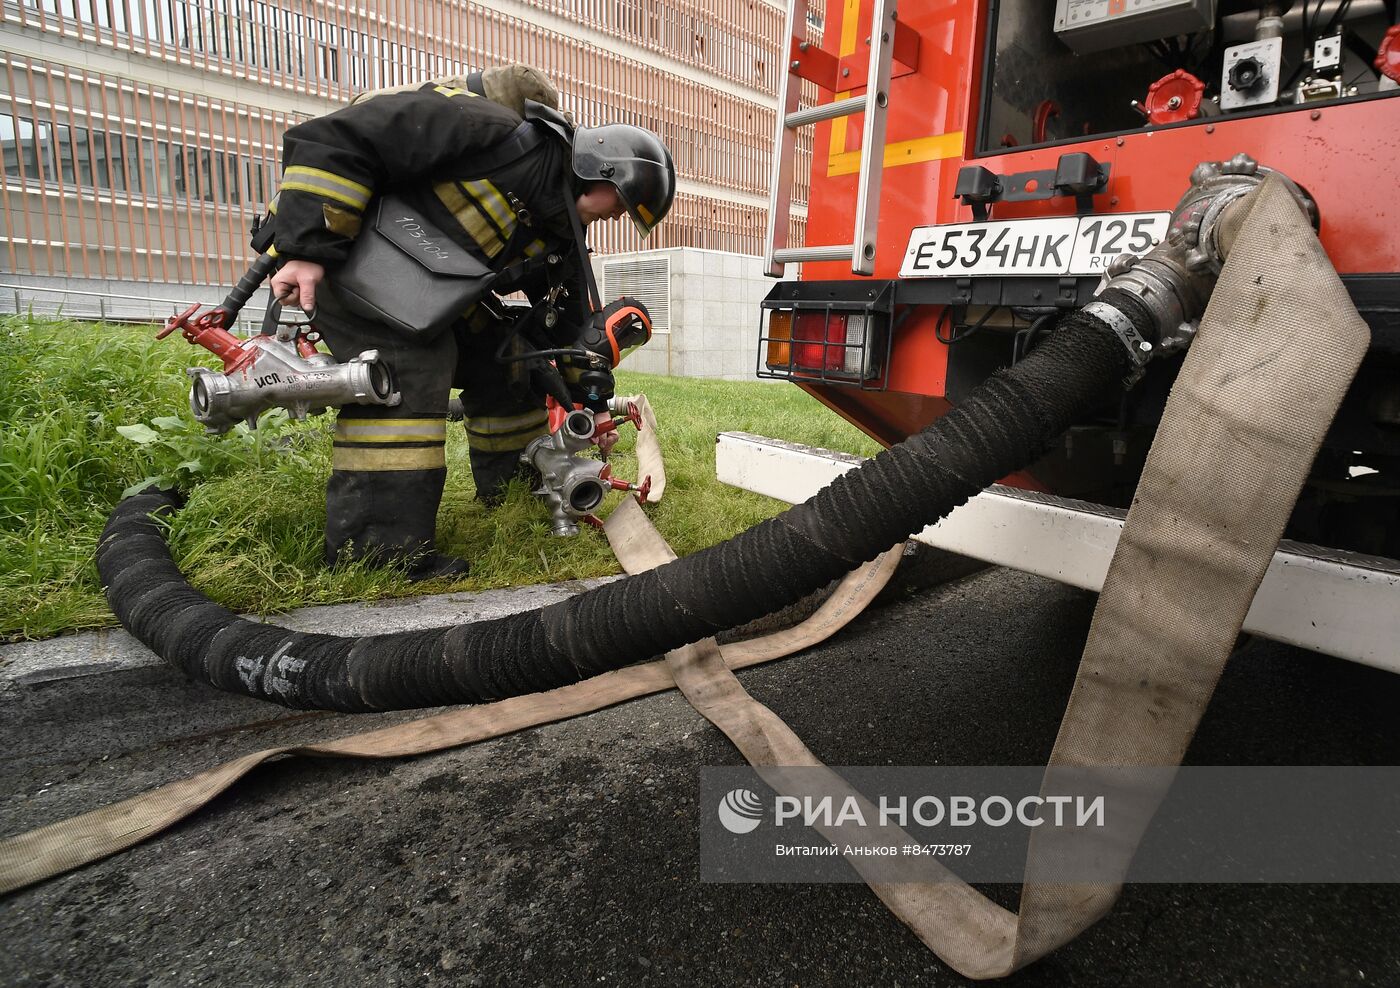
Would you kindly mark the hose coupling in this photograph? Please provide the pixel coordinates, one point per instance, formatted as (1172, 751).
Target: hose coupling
(572, 486)
(1154, 303)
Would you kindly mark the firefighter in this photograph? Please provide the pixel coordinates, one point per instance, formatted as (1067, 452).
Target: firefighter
(388, 466)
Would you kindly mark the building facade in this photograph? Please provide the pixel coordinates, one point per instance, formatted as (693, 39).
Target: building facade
(141, 137)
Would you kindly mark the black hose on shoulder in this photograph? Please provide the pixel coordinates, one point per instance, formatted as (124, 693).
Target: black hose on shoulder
(1001, 427)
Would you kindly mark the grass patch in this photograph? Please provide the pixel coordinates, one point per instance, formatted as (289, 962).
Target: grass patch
(250, 536)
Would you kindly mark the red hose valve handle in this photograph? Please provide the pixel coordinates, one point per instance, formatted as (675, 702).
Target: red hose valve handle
(617, 484)
(633, 416)
(208, 331)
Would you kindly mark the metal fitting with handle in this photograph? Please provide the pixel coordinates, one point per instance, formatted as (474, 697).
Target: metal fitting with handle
(572, 485)
(263, 372)
(279, 376)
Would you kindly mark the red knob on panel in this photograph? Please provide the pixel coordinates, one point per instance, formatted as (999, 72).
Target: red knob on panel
(1174, 98)
(1388, 55)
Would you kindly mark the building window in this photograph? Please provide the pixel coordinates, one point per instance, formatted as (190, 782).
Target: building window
(132, 162)
(328, 62)
(228, 177)
(184, 171)
(29, 147)
(64, 140)
(96, 11)
(160, 171)
(9, 145)
(76, 160)
(100, 172)
(43, 150)
(190, 165)
(206, 177)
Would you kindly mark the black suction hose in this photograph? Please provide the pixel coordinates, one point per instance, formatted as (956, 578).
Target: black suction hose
(1001, 427)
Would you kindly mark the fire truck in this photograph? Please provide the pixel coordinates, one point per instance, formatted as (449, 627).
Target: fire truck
(977, 168)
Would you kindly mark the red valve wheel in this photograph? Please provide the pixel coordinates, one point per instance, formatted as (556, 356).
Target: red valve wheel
(1174, 98)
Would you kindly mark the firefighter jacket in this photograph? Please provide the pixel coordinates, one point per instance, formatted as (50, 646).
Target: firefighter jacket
(420, 145)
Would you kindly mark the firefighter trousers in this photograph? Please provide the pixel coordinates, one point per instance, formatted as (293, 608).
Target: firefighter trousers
(388, 464)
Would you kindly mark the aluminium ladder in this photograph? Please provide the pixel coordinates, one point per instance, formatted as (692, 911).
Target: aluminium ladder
(875, 101)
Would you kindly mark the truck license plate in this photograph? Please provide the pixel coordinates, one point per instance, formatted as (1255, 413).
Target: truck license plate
(1065, 245)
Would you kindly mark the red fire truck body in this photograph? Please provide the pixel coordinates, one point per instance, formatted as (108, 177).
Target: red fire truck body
(1004, 111)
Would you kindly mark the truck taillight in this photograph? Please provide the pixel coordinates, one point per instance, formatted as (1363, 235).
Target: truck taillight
(843, 341)
(779, 338)
(830, 341)
(817, 338)
(855, 354)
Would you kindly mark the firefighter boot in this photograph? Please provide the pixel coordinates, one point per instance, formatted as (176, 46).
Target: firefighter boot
(495, 442)
(386, 514)
(387, 464)
(493, 472)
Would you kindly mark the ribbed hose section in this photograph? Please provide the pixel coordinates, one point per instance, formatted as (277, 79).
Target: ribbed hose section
(1002, 426)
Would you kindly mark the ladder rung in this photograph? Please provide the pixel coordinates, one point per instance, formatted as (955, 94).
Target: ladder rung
(874, 104)
(836, 108)
(831, 252)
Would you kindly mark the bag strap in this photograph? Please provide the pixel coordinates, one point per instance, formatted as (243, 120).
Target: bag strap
(518, 143)
(522, 140)
(581, 246)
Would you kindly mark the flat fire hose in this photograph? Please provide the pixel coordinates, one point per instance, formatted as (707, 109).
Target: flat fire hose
(51, 850)
(649, 461)
(1276, 352)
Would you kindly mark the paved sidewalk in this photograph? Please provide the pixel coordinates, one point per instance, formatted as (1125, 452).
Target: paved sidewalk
(568, 854)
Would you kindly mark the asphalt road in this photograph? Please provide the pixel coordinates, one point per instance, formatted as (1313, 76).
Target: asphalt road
(568, 854)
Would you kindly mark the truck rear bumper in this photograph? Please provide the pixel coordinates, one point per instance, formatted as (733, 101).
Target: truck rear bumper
(1338, 603)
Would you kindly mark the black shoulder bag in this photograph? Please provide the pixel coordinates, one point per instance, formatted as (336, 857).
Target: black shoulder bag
(405, 272)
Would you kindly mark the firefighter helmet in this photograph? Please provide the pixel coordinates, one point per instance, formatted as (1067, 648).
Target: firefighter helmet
(635, 162)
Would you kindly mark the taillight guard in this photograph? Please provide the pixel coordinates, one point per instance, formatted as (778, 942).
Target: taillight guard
(831, 341)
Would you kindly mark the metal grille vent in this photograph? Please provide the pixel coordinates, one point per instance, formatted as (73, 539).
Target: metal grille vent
(647, 280)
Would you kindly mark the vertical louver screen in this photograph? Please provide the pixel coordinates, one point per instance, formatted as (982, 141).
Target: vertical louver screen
(648, 280)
